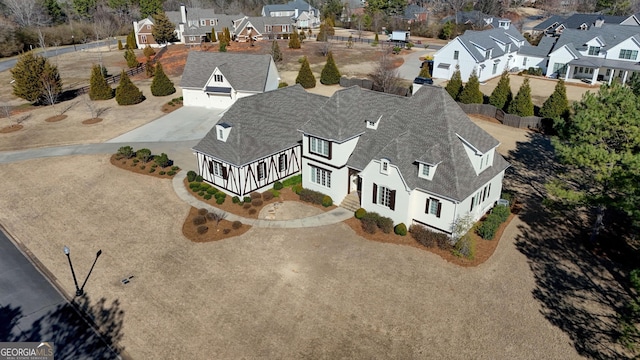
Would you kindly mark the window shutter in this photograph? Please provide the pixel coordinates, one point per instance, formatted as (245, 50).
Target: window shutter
(225, 173)
(210, 167)
(473, 202)
(439, 209)
(489, 190)
(330, 148)
(392, 200)
(375, 194)
(426, 208)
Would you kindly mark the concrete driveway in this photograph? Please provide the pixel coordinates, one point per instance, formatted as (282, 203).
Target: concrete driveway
(410, 69)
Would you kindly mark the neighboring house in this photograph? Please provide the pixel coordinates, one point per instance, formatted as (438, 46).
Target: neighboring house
(303, 14)
(351, 10)
(555, 25)
(417, 160)
(488, 52)
(602, 53)
(476, 19)
(217, 80)
(415, 13)
(194, 25)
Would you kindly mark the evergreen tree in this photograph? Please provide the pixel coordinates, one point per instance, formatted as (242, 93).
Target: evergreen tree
(148, 52)
(29, 73)
(161, 84)
(471, 93)
(54, 11)
(557, 105)
(294, 41)
(501, 95)
(454, 86)
(305, 76)
(522, 104)
(131, 41)
(223, 46)
(120, 47)
(213, 35)
(149, 69)
(376, 40)
(150, 7)
(227, 36)
(275, 52)
(322, 34)
(634, 83)
(330, 74)
(130, 56)
(164, 31)
(424, 72)
(126, 92)
(99, 89)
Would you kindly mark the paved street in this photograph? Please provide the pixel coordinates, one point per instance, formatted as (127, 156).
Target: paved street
(31, 309)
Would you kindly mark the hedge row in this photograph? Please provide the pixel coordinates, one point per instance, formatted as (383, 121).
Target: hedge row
(371, 221)
(487, 230)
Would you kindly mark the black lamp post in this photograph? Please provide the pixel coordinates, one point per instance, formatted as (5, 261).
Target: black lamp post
(80, 290)
(73, 40)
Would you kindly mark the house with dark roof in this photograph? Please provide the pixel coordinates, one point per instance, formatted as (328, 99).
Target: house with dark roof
(303, 14)
(488, 53)
(600, 54)
(219, 79)
(556, 24)
(417, 160)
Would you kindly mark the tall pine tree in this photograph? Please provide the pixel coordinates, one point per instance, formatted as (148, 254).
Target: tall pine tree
(213, 37)
(163, 29)
(557, 105)
(330, 74)
(99, 89)
(131, 41)
(130, 56)
(28, 74)
(294, 41)
(471, 93)
(502, 95)
(454, 86)
(522, 104)
(275, 52)
(161, 84)
(305, 76)
(126, 92)
(150, 7)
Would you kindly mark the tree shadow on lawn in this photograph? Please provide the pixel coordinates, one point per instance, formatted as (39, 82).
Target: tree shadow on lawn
(580, 292)
(68, 330)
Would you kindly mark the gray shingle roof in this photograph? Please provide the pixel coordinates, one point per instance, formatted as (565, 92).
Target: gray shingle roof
(541, 50)
(290, 6)
(261, 124)
(549, 22)
(576, 20)
(486, 40)
(610, 34)
(243, 71)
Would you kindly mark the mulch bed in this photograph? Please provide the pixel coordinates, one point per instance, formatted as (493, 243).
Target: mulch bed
(484, 248)
(10, 129)
(129, 165)
(252, 212)
(223, 230)
(166, 108)
(56, 118)
(92, 121)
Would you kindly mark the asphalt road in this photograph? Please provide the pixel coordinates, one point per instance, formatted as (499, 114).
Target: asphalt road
(31, 309)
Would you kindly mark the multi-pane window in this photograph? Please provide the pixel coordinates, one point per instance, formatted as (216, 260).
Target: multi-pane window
(487, 54)
(262, 170)
(319, 146)
(215, 168)
(320, 176)
(594, 50)
(384, 196)
(433, 207)
(456, 53)
(495, 68)
(282, 162)
(217, 78)
(524, 61)
(628, 54)
(426, 169)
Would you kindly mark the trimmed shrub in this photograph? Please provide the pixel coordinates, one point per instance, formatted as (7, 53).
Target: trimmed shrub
(171, 173)
(202, 229)
(444, 242)
(282, 85)
(211, 216)
(235, 200)
(267, 195)
(148, 51)
(175, 168)
(275, 193)
(152, 170)
(292, 181)
(161, 85)
(400, 229)
(278, 185)
(369, 222)
(360, 213)
(427, 237)
(126, 151)
(385, 224)
(220, 200)
(203, 211)
(488, 228)
(247, 205)
(201, 193)
(144, 155)
(199, 220)
(120, 47)
(297, 188)
(142, 167)
(191, 175)
(236, 225)
(126, 92)
(255, 195)
(311, 196)
(199, 178)
(207, 196)
(305, 76)
(195, 186)
(247, 199)
(162, 172)
(220, 195)
(256, 202)
(212, 190)
(252, 211)
(162, 160)
(330, 74)
(226, 231)
(327, 201)
(204, 186)
(465, 247)
(502, 212)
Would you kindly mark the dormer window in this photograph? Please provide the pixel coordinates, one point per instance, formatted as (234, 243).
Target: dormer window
(371, 124)
(487, 54)
(594, 50)
(426, 171)
(384, 166)
(222, 131)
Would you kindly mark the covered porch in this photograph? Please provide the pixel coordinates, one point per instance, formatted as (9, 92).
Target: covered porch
(599, 70)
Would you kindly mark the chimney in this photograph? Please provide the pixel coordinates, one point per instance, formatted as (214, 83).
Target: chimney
(296, 13)
(599, 22)
(183, 13)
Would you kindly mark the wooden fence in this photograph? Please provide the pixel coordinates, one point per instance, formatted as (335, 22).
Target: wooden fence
(526, 122)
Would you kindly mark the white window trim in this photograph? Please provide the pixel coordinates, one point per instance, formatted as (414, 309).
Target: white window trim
(261, 170)
(320, 176)
(384, 196)
(384, 166)
(318, 146)
(217, 169)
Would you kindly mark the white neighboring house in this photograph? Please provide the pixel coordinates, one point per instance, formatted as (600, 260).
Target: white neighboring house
(417, 160)
(599, 54)
(217, 80)
(303, 14)
(488, 52)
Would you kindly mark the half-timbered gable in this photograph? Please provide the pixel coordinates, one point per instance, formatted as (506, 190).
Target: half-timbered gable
(217, 80)
(256, 142)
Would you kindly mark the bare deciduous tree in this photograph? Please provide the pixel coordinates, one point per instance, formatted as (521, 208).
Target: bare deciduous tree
(93, 108)
(385, 76)
(26, 12)
(6, 110)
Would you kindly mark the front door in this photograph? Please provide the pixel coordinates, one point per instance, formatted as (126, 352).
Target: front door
(353, 180)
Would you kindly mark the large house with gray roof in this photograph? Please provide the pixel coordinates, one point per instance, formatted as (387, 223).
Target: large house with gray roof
(599, 54)
(219, 79)
(417, 160)
(556, 24)
(303, 15)
(194, 25)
